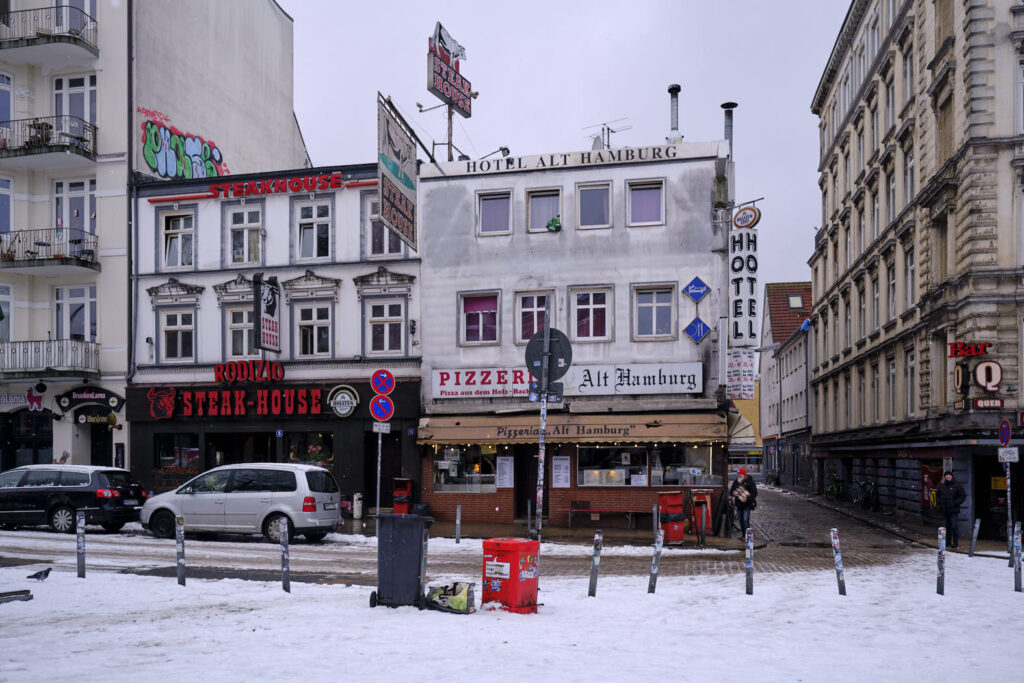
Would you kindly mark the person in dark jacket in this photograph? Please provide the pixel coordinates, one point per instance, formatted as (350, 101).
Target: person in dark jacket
(744, 495)
(950, 496)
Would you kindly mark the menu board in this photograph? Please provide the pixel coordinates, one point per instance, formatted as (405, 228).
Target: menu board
(560, 472)
(505, 472)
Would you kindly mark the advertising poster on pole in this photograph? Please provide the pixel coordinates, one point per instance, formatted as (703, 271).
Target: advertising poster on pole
(740, 373)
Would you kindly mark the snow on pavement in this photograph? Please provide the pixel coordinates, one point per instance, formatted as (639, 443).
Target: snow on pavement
(891, 626)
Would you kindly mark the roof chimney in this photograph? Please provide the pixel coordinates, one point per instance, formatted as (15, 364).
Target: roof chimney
(728, 107)
(674, 136)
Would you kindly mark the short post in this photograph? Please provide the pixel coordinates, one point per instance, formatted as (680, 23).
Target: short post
(1016, 557)
(179, 543)
(1009, 514)
(592, 591)
(940, 582)
(656, 516)
(80, 529)
(750, 561)
(458, 523)
(286, 579)
(659, 542)
(702, 511)
(838, 557)
(529, 517)
(974, 537)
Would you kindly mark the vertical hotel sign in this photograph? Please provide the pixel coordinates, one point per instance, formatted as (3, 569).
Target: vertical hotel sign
(743, 277)
(266, 295)
(396, 174)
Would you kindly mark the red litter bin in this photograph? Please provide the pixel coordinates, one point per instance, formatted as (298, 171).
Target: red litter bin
(510, 573)
(673, 520)
(402, 495)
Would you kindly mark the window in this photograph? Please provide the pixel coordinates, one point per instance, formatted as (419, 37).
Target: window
(74, 478)
(890, 104)
(860, 150)
(314, 330)
(849, 247)
(469, 469)
(875, 302)
(673, 465)
(74, 311)
(890, 386)
(74, 97)
(835, 189)
(891, 199)
(479, 318)
(5, 313)
(908, 176)
(911, 385)
(386, 327)
(860, 233)
(611, 466)
(849, 322)
(5, 205)
(874, 216)
(645, 203)
(542, 207)
(862, 313)
(861, 397)
(908, 77)
(383, 240)
(530, 314)
(179, 236)
(874, 128)
(245, 223)
(314, 229)
(178, 331)
(874, 392)
(5, 101)
(590, 308)
(594, 205)
(846, 173)
(178, 450)
(653, 309)
(241, 333)
(495, 213)
(908, 269)
(890, 276)
(74, 204)
(796, 301)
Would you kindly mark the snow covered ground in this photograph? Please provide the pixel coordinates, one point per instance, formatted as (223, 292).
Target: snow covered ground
(892, 626)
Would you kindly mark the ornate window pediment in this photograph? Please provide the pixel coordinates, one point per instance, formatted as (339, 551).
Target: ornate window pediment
(234, 291)
(174, 292)
(311, 286)
(383, 281)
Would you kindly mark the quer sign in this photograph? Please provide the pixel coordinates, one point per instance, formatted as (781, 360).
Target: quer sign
(443, 78)
(266, 295)
(396, 175)
(742, 287)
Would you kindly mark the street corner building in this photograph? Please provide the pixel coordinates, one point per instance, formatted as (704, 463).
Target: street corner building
(624, 250)
(916, 268)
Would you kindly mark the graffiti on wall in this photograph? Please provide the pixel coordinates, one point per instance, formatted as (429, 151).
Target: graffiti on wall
(181, 156)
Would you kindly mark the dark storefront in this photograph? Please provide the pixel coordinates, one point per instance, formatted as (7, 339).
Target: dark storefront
(26, 438)
(180, 431)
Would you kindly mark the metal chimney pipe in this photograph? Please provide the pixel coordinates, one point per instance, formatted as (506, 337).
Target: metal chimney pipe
(673, 92)
(728, 107)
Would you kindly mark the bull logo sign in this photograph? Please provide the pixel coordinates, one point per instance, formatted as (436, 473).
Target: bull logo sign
(161, 402)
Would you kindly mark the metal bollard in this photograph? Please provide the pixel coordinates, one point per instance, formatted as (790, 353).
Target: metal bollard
(940, 581)
(529, 518)
(659, 543)
(838, 557)
(286, 579)
(598, 536)
(656, 514)
(750, 561)
(1016, 557)
(458, 523)
(974, 537)
(179, 543)
(80, 530)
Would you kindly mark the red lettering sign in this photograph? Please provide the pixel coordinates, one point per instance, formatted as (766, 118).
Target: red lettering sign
(960, 349)
(278, 185)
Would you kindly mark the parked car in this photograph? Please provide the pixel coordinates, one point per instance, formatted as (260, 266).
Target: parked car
(250, 498)
(53, 494)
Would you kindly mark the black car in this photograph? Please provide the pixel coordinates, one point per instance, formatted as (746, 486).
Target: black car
(53, 494)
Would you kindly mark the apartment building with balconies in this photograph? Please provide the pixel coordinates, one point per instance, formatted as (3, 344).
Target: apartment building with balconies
(920, 251)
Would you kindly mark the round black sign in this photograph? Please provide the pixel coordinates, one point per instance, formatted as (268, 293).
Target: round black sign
(559, 361)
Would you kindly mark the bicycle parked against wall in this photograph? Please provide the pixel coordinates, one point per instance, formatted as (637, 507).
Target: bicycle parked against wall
(867, 495)
(834, 490)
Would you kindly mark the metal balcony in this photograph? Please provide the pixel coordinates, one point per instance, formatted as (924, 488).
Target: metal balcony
(49, 358)
(49, 252)
(47, 142)
(48, 36)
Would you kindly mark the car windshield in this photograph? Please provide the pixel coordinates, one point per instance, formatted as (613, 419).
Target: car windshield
(117, 479)
(321, 481)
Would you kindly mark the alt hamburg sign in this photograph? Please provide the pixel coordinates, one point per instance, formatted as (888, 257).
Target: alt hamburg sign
(396, 174)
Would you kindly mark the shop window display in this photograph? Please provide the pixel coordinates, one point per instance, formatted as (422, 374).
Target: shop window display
(678, 465)
(177, 454)
(467, 469)
(612, 465)
(311, 448)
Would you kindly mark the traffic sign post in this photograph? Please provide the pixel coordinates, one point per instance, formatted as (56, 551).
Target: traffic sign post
(1005, 454)
(382, 409)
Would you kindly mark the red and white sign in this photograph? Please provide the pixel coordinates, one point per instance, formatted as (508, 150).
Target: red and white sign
(480, 383)
(988, 375)
(266, 295)
(988, 403)
(959, 349)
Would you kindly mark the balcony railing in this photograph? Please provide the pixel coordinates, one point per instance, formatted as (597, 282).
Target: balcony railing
(47, 134)
(45, 245)
(48, 358)
(48, 24)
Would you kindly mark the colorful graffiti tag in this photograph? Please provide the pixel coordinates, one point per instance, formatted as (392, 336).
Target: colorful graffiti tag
(173, 154)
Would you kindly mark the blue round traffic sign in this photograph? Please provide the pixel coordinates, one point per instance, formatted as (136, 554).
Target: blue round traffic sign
(383, 382)
(382, 408)
(1005, 433)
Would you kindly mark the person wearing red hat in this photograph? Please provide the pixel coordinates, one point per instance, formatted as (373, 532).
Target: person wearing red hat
(744, 496)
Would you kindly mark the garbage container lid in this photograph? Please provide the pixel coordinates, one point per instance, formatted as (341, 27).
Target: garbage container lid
(519, 544)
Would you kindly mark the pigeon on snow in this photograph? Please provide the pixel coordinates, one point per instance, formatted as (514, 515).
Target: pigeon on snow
(40, 575)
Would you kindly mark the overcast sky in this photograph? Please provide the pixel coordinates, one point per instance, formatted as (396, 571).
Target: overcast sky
(549, 72)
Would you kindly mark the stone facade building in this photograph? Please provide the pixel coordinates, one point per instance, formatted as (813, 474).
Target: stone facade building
(920, 251)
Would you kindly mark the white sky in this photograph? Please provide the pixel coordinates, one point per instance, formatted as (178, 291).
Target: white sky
(546, 71)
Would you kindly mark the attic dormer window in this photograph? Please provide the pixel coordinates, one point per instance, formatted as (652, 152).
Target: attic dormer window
(796, 301)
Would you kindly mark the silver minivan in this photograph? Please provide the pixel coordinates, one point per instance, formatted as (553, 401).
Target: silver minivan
(250, 498)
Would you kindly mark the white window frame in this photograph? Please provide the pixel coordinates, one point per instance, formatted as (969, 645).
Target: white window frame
(314, 323)
(392, 245)
(908, 361)
(908, 175)
(874, 216)
(314, 222)
(239, 322)
(62, 99)
(483, 196)
(609, 317)
(1020, 98)
(585, 187)
(7, 190)
(180, 328)
(890, 380)
(245, 227)
(463, 297)
(538, 193)
(891, 198)
(862, 313)
(890, 104)
(535, 312)
(63, 302)
(64, 196)
(632, 185)
(167, 231)
(7, 90)
(908, 76)
(638, 290)
(876, 302)
(890, 272)
(386, 321)
(909, 273)
(7, 308)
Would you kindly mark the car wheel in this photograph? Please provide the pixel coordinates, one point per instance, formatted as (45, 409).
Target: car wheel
(373, 599)
(62, 520)
(272, 531)
(112, 526)
(315, 536)
(161, 524)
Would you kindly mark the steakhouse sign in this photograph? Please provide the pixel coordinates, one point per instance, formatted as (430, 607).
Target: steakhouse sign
(396, 174)
(443, 78)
